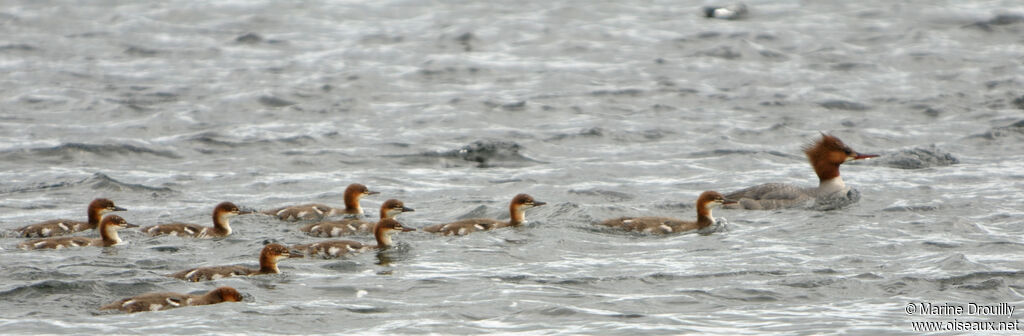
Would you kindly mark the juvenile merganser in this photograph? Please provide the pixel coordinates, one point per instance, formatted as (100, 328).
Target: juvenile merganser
(825, 155)
(337, 248)
(108, 236)
(168, 300)
(353, 193)
(268, 265)
(389, 209)
(60, 227)
(517, 212)
(660, 225)
(221, 224)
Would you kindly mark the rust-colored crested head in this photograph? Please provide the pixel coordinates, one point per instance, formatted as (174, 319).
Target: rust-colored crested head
(389, 224)
(393, 207)
(524, 201)
(358, 190)
(227, 294)
(104, 204)
(269, 256)
(707, 200)
(100, 206)
(353, 193)
(226, 208)
(115, 221)
(517, 208)
(828, 149)
(275, 250)
(712, 198)
(826, 154)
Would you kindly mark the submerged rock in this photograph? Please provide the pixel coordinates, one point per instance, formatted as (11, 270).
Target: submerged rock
(485, 153)
(730, 12)
(916, 158)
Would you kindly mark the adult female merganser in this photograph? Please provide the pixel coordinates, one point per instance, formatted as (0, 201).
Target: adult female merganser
(221, 224)
(706, 201)
(60, 227)
(516, 209)
(389, 209)
(168, 300)
(353, 193)
(268, 265)
(108, 236)
(825, 155)
(337, 248)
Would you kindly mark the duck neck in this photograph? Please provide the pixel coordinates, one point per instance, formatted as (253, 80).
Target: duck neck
(825, 170)
(383, 238)
(95, 214)
(222, 223)
(704, 218)
(109, 235)
(268, 264)
(516, 216)
(352, 205)
(832, 185)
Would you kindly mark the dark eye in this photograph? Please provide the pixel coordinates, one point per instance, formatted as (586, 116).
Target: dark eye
(848, 151)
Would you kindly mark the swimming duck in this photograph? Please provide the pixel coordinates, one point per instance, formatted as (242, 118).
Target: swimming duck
(825, 156)
(108, 236)
(60, 227)
(389, 209)
(337, 248)
(517, 216)
(660, 225)
(352, 195)
(221, 224)
(168, 300)
(268, 265)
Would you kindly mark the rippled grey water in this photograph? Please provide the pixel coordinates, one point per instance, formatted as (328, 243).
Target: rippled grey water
(601, 109)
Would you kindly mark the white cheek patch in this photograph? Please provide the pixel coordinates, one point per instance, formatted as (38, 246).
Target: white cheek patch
(302, 214)
(462, 231)
(333, 251)
(216, 276)
(335, 232)
(665, 228)
(44, 232)
(155, 307)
